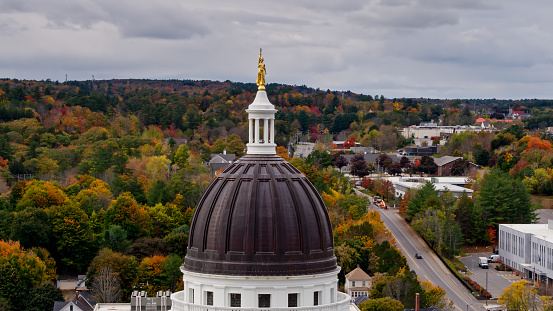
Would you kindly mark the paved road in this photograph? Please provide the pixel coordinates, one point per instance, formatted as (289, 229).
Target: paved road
(498, 281)
(429, 268)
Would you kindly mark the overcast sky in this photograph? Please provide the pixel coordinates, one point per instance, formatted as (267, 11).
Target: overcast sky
(395, 48)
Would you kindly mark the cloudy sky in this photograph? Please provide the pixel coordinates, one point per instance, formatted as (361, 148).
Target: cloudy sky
(395, 48)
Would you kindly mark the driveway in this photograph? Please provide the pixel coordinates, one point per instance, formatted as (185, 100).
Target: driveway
(498, 281)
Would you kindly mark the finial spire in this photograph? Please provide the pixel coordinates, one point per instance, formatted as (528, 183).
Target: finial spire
(261, 72)
(261, 115)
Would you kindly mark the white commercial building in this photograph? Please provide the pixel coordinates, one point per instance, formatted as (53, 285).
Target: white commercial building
(528, 248)
(441, 184)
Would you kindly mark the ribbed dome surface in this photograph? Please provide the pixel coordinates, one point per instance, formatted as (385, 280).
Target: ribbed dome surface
(260, 217)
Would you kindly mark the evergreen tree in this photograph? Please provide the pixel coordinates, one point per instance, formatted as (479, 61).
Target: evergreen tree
(6, 150)
(504, 199)
(418, 202)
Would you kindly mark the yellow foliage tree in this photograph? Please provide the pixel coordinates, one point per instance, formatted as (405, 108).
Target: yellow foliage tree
(521, 296)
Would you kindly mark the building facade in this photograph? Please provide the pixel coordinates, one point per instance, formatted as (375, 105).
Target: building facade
(528, 248)
(358, 283)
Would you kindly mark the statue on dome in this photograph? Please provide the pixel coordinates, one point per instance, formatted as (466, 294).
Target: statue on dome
(261, 72)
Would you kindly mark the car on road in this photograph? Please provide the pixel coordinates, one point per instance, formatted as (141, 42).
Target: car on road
(418, 255)
(377, 199)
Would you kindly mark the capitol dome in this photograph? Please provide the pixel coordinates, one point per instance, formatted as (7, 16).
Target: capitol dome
(260, 238)
(261, 216)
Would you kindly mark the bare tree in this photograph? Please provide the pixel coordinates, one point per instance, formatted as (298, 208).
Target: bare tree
(106, 287)
(397, 288)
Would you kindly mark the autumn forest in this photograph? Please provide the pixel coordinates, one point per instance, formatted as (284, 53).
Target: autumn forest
(97, 174)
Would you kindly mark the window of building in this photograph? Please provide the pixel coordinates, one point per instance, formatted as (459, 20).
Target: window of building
(209, 298)
(191, 295)
(316, 298)
(264, 300)
(235, 300)
(292, 300)
(363, 283)
(352, 283)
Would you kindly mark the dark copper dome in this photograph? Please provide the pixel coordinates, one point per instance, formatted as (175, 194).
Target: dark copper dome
(260, 217)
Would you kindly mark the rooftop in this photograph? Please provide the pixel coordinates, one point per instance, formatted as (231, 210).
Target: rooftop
(539, 230)
(113, 307)
(358, 274)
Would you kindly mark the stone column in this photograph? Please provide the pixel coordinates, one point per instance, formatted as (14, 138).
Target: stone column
(251, 131)
(266, 131)
(272, 131)
(256, 131)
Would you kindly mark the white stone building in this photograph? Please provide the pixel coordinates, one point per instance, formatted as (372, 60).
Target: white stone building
(261, 237)
(441, 184)
(528, 248)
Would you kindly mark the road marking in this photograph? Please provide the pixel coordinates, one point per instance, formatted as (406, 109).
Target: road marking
(405, 250)
(430, 266)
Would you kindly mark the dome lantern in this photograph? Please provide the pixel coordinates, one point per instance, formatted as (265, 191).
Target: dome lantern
(261, 115)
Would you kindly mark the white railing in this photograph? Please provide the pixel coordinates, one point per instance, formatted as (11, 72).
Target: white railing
(180, 305)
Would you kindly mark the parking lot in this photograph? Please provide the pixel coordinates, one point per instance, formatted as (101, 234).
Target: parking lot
(498, 281)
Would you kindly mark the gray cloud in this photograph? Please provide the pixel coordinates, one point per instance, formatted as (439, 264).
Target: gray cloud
(164, 19)
(415, 48)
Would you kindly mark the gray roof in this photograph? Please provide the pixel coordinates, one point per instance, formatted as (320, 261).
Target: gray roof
(360, 299)
(222, 158)
(371, 157)
(58, 305)
(83, 301)
(445, 160)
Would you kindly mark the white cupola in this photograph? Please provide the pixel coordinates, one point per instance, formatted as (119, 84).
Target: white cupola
(261, 115)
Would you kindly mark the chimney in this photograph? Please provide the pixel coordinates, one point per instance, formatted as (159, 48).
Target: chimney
(417, 302)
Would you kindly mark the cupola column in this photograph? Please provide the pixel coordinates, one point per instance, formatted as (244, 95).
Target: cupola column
(272, 131)
(256, 131)
(266, 130)
(251, 130)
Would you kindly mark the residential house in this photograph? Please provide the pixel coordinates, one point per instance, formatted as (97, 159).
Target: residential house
(82, 302)
(358, 283)
(220, 161)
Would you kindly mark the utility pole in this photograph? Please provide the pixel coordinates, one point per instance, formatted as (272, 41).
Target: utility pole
(486, 288)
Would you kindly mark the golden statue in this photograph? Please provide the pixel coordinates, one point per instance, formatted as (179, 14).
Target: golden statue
(261, 72)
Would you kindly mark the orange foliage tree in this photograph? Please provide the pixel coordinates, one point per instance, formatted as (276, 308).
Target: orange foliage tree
(41, 194)
(536, 143)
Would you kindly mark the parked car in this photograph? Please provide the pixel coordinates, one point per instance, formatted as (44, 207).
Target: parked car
(418, 255)
(493, 258)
